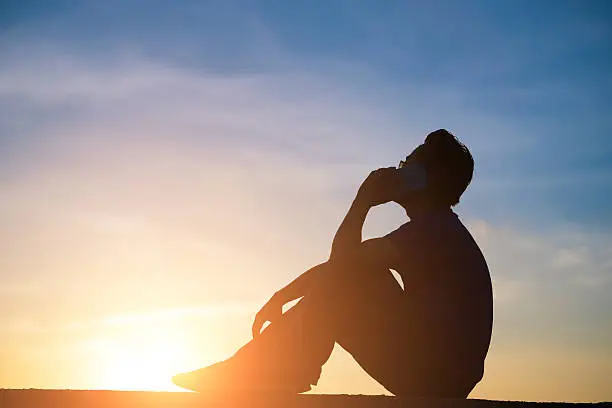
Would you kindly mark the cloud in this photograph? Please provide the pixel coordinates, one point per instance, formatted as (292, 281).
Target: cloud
(179, 179)
(552, 331)
(216, 310)
(550, 288)
(569, 256)
(157, 186)
(143, 170)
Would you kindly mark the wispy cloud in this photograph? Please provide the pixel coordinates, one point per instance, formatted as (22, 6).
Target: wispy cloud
(215, 310)
(192, 180)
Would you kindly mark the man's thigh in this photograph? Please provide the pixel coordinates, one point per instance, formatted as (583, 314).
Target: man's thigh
(371, 317)
(366, 311)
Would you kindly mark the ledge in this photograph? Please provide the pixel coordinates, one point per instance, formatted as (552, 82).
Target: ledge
(31, 398)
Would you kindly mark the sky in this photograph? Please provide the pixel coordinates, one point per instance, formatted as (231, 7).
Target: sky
(166, 166)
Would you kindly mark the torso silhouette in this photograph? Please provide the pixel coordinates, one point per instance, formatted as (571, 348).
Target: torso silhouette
(448, 293)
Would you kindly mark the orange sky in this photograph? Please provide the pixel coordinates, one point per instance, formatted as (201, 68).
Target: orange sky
(133, 267)
(163, 173)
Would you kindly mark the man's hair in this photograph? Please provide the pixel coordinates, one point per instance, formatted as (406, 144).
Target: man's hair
(448, 163)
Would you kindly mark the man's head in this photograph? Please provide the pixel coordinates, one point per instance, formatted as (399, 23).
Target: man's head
(449, 167)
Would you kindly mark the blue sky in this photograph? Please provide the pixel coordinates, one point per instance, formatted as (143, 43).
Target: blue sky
(230, 126)
(539, 72)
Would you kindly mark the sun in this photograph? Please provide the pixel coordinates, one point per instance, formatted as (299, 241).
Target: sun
(144, 360)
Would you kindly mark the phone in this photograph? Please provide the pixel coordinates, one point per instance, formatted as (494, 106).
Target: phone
(414, 177)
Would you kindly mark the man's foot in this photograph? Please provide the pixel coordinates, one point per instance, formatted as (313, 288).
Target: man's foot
(227, 377)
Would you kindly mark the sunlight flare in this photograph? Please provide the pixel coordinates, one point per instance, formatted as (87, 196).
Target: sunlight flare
(144, 360)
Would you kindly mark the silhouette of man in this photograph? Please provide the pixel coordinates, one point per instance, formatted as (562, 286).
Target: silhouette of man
(428, 339)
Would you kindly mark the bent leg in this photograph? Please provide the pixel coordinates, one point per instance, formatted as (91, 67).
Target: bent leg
(360, 308)
(365, 311)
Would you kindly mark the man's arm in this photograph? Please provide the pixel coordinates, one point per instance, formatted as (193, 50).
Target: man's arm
(347, 240)
(273, 309)
(379, 187)
(348, 237)
(346, 247)
(300, 285)
(377, 252)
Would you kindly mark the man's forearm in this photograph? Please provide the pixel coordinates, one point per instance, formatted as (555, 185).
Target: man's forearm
(348, 237)
(346, 240)
(300, 285)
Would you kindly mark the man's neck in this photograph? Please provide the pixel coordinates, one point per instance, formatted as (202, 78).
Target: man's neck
(425, 211)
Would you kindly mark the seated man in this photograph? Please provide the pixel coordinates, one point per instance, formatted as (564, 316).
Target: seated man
(428, 339)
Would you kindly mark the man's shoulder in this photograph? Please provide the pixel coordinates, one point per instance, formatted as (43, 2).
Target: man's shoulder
(433, 229)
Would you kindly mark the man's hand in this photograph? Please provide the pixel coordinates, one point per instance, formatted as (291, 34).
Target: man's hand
(270, 312)
(381, 186)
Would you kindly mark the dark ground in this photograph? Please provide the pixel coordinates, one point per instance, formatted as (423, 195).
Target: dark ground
(69, 398)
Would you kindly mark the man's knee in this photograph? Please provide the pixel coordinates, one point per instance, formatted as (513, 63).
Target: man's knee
(353, 271)
(368, 279)
(347, 287)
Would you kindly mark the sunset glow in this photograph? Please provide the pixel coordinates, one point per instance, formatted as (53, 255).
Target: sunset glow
(164, 170)
(143, 361)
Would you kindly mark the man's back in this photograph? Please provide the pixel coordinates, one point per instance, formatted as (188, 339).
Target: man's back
(448, 293)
